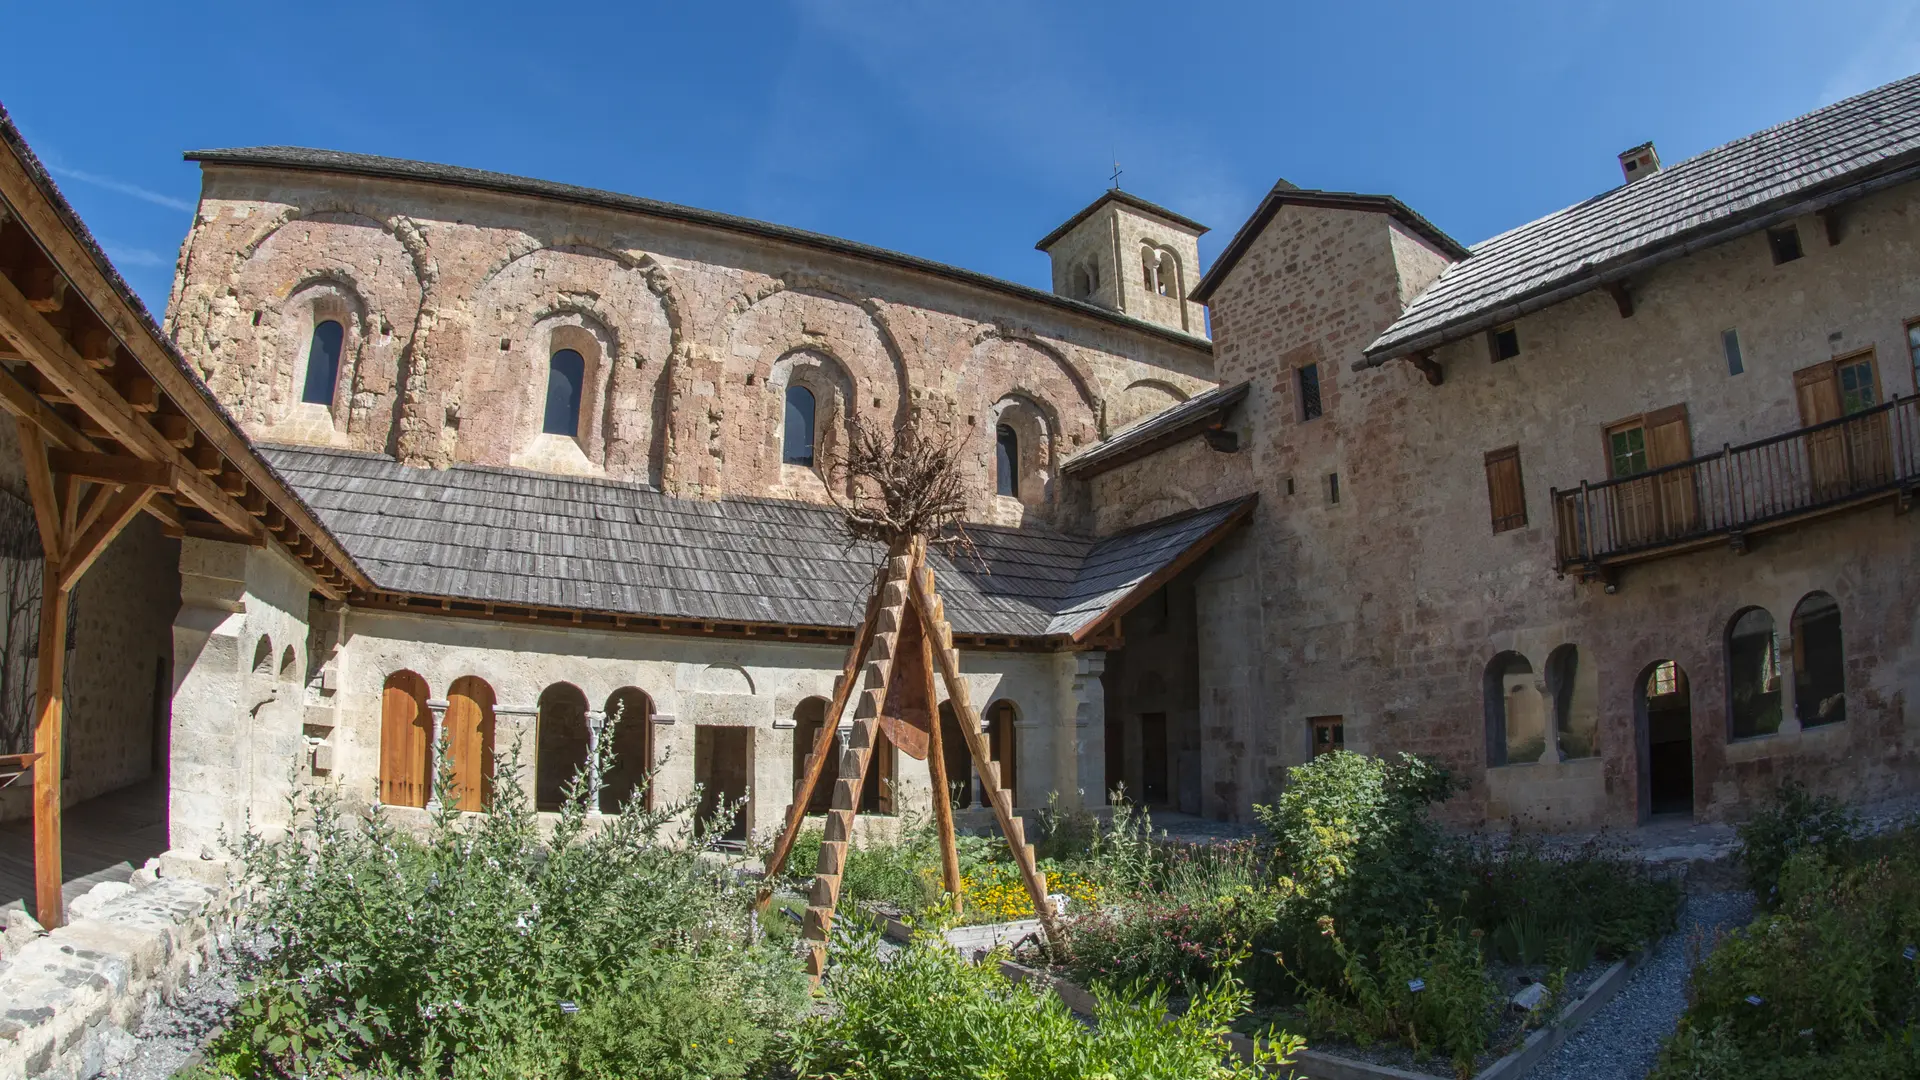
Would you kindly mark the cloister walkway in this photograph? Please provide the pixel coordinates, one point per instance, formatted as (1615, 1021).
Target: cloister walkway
(105, 839)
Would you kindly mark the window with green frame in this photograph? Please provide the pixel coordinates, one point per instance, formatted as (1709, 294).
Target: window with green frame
(1629, 450)
(1856, 387)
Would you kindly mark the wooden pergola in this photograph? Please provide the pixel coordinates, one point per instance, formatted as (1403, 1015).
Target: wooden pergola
(112, 423)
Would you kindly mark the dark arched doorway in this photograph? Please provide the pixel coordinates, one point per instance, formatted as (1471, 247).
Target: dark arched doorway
(560, 744)
(956, 757)
(626, 749)
(1664, 710)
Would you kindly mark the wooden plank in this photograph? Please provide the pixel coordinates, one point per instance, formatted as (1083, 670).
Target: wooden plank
(937, 767)
(49, 694)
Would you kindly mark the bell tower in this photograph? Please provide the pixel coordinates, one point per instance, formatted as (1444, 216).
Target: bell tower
(1128, 255)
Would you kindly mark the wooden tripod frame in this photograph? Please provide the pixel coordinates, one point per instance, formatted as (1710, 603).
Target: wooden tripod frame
(902, 641)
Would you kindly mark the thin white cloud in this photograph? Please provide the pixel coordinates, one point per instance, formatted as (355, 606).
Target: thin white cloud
(134, 256)
(131, 190)
(1889, 51)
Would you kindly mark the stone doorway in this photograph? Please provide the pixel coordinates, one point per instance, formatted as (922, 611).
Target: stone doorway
(723, 767)
(1664, 708)
(1153, 758)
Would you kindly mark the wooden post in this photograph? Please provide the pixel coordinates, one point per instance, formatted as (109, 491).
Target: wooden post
(937, 765)
(49, 691)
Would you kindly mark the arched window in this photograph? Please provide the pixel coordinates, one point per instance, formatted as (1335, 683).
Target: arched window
(1150, 269)
(566, 374)
(1575, 694)
(1819, 662)
(469, 740)
(406, 734)
(1006, 461)
(560, 744)
(287, 662)
(1753, 674)
(626, 746)
(1003, 744)
(323, 362)
(808, 718)
(1516, 723)
(263, 657)
(797, 436)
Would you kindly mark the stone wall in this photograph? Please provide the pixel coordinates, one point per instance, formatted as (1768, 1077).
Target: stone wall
(71, 999)
(452, 300)
(1386, 606)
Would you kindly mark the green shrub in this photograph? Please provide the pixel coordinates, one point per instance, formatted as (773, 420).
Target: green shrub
(901, 872)
(927, 1014)
(1796, 821)
(1597, 898)
(452, 956)
(1354, 839)
(1453, 1012)
(1823, 986)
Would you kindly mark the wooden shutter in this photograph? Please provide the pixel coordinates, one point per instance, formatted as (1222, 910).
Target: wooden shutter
(1670, 442)
(470, 741)
(1817, 389)
(1506, 496)
(883, 776)
(404, 738)
(1003, 748)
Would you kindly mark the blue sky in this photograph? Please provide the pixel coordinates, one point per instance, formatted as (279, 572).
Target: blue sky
(958, 131)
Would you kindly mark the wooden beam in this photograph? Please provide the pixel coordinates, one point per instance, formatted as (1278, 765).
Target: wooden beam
(1425, 364)
(210, 530)
(167, 514)
(96, 346)
(28, 406)
(44, 288)
(41, 490)
(1622, 299)
(85, 387)
(121, 508)
(113, 469)
(177, 430)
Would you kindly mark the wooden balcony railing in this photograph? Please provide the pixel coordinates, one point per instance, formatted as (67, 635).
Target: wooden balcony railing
(1813, 471)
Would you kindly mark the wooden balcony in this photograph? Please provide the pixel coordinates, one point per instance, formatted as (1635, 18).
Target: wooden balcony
(1812, 472)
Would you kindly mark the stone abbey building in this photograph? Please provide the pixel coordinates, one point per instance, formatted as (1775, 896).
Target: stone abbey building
(1610, 512)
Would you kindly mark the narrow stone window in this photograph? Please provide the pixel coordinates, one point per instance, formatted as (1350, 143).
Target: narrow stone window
(1913, 350)
(566, 372)
(797, 439)
(323, 363)
(1333, 488)
(1006, 461)
(1784, 242)
(1819, 662)
(1730, 344)
(1505, 495)
(1308, 379)
(1504, 342)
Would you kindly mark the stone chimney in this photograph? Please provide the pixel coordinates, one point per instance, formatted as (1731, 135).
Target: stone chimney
(1639, 163)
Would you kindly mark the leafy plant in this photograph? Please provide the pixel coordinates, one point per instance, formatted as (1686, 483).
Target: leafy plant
(1426, 987)
(1796, 821)
(927, 1014)
(493, 948)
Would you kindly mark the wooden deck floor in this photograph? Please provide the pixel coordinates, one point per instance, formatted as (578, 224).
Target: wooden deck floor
(105, 839)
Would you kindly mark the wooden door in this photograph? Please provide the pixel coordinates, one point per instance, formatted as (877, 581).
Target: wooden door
(1670, 442)
(405, 737)
(1817, 389)
(470, 742)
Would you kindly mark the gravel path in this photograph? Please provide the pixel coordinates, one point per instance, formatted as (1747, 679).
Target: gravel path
(1623, 1039)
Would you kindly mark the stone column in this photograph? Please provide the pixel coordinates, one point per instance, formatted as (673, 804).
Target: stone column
(1080, 729)
(210, 767)
(436, 729)
(596, 724)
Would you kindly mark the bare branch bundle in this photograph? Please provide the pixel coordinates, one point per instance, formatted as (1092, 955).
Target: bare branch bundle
(895, 485)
